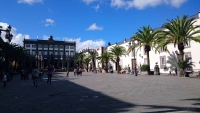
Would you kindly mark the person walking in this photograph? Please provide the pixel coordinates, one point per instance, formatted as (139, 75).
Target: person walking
(50, 73)
(35, 74)
(4, 79)
(67, 73)
(75, 71)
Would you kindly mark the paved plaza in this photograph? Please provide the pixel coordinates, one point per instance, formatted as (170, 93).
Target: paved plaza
(102, 93)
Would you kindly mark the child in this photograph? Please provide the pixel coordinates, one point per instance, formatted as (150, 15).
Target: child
(4, 79)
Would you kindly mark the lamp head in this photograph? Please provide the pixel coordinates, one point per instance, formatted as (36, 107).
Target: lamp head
(9, 28)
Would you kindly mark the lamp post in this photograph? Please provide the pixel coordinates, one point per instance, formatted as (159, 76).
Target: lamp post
(135, 69)
(8, 36)
(67, 58)
(36, 59)
(61, 61)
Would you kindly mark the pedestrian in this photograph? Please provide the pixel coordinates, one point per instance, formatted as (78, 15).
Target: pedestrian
(35, 74)
(50, 73)
(75, 71)
(129, 69)
(67, 73)
(40, 74)
(4, 79)
(22, 74)
(175, 71)
(80, 71)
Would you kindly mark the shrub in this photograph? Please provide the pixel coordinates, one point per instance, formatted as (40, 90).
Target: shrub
(144, 67)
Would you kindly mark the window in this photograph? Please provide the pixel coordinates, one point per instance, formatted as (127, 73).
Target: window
(61, 53)
(61, 46)
(27, 45)
(187, 44)
(161, 49)
(162, 62)
(40, 46)
(56, 52)
(66, 47)
(45, 52)
(67, 53)
(71, 53)
(51, 46)
(71, 47)
(45, 46)
(33, 46)
(33, 52)
(56, 46)
(40, 53)
(187, 55)
(50, 52)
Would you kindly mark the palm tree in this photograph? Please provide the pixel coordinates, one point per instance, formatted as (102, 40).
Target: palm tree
(146, 38)
(86, 61)
(179, 31)
(92, 56)
(105, 58)
(79, 58)
(118, 51)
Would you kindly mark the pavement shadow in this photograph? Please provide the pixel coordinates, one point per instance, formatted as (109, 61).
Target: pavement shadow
(173, 109)
(62, 96)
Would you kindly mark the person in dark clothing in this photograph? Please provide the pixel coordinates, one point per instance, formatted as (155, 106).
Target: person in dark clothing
(176, 71)
(50, 73)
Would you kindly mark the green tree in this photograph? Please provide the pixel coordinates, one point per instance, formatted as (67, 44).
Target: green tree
(146, 37)
(92, 56)
(79, 59)
(105, 58)
(179, 31)
(118, 51)
(86, 61)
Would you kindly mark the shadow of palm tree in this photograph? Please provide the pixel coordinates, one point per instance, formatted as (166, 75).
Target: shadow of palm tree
(173, 61)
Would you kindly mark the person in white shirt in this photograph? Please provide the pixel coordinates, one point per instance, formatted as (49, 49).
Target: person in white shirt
(35, 74)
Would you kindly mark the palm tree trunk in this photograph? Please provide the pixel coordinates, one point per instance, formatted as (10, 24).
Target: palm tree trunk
(106, 68)
(148, 63)
(181, 74)
(87, 67)
(94, 66)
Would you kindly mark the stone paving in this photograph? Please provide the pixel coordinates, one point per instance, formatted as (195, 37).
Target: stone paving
(102, 93)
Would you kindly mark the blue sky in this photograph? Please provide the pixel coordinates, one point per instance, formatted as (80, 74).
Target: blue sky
(91, 23)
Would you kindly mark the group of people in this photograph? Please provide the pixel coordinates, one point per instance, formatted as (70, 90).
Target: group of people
(37, 74)
(77, 71)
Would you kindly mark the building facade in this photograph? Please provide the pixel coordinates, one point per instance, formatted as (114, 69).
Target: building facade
(161, 58)
(60, 54)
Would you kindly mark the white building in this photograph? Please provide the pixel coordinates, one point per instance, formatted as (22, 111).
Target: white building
(191, 50)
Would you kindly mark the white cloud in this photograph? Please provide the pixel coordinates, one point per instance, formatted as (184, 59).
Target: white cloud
(142, 4)
(17, 37)
(96, 7)
(49, 22)
(30, 2)
(92, 44)
(88, 1)
(94, 27)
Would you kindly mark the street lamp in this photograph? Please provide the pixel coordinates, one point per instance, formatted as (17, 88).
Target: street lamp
(61, 61)
(135, 69)
(36, 59)
(8, 36)
(67, 58)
